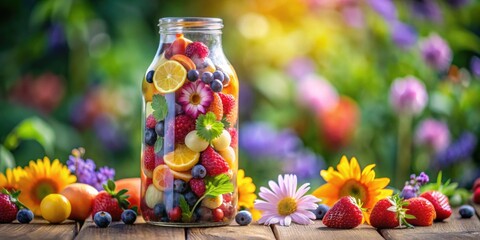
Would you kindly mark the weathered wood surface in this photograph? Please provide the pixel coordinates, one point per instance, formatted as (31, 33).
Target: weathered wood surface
(452, 228)
(39, 229)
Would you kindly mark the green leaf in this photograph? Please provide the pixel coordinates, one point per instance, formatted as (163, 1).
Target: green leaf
(111, 185)
(158, 145)
(135, 209)
(220, 184)
(226, 123)
(160, 108)
(186, 213)
(6, 159)
(121, 192)
(31, 129)
(208, 127)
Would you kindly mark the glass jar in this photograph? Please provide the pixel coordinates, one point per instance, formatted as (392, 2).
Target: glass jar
(189, 157)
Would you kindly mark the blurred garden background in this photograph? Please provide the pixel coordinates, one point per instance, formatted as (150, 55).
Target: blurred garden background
(385, 81)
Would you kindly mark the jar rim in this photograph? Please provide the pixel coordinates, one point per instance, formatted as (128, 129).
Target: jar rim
(190, 24)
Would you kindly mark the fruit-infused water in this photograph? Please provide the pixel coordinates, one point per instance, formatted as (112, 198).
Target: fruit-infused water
(189, 155)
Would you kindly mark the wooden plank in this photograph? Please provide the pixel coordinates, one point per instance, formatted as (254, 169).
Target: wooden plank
(320, 231)
(139, 231)
(452, 228)
(38, 229)
(234, 231)
(477, 208)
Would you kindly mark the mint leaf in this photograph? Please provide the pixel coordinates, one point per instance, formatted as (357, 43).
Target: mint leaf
(158, 145)
(220, 184)
(186, 213)
(226, 123)
(160, 108)
(208, 127)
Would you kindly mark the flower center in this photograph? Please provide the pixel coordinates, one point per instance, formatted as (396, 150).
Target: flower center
(287, 206)
(42, 188)
(195, 99)
(355, 189)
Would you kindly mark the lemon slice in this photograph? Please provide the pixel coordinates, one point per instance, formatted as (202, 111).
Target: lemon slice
(182, 159)
(169, 76)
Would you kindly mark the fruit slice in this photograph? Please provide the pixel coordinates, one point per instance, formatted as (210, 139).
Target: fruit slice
(182, 159)
(232, 87)
(185, 61)
(230, 157)
(169, 76)
(216, 106)
(162, 177)
(185, 176)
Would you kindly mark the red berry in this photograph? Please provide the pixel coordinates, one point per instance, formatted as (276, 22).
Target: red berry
(217, 215)
(384, 216)
(230, 108)
(440, 203)
(197, 186)
(476, 184)
(147, 213)
(227, 197)
(344, 214)
(476, 196)
(8, 210)
(196, 48)
(150, 122)
(213, 162)
(228, 209)
(423, 211)
(183, 125)
(233, 136)
(175, 214)
(149, 158)
(110, 201)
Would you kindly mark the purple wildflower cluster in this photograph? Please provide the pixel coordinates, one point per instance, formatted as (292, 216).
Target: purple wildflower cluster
(459, 150)
(85, 170)
(265, 142)
(412, 187)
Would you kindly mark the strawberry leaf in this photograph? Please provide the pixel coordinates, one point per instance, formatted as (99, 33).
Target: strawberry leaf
(220, 184)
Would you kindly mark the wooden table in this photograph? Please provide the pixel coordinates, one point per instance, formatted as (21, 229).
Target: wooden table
(452, 228)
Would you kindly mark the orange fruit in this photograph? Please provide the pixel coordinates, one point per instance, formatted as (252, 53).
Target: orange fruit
(182, 159)
(169, 76)
(148, 90)
(81, 197)
(216, 106)
(185, 176)
(185, 61)
(162, 177)
(133, 187)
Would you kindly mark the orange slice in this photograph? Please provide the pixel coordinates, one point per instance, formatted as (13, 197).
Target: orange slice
(169, 76)
(162, 177)
(232, 87)
(185, 61)
(185, 176)
(182, 159)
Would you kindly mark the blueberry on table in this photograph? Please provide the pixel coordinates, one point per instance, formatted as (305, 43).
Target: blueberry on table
(466, 211)
(24, 216)
(102, 219)
(129, 216)
(150, 136)
(320, 211)
(216, 85)
(243, 218)
(149, 77)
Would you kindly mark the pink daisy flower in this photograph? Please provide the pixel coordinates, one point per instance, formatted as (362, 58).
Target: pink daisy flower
(195, 98)
(284, 203)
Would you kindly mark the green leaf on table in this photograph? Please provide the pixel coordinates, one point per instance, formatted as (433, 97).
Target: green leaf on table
(208, 127)
(6, 159)
(218, 185)
(31, 129)
(158, 145)
(159, 106)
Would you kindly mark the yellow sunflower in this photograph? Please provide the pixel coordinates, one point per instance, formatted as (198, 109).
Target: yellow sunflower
(10, 180)
(246, 194)
(43, 178)
(349, 179)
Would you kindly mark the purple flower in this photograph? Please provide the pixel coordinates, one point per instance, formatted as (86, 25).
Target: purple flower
(85, 172)
(422, 179)
(300, 67)
(304, 163)
(408, 95)
(475, 66)
(316, 93)
(408, 192)
(434, 134)
(458, 151)
(436, 52)
(403, 35)
(385, 8)
(427, 9)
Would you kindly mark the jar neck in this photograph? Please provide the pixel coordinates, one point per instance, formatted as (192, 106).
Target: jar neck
(190, 25)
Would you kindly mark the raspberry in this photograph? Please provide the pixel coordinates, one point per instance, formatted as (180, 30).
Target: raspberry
(213, 162)
(197, 48)
(197, 186)
(149, 158)
(230, 109)
(183, 125)
(233, 136)
(150, 122)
